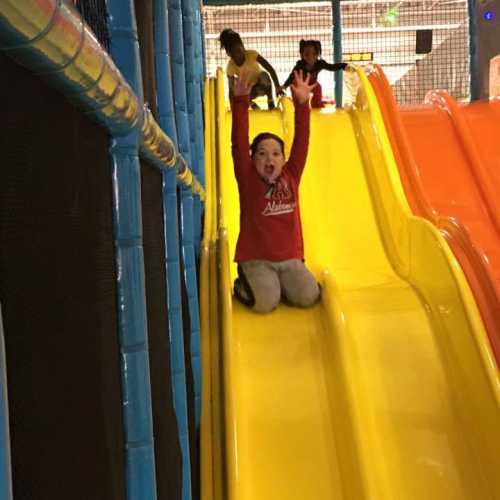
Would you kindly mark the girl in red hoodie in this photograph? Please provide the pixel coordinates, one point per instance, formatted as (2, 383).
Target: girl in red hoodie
(270, 249)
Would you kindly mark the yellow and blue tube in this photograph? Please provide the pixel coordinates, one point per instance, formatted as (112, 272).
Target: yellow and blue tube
(50, 38)
(166, 114)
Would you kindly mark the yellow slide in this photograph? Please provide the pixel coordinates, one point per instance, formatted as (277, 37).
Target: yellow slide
(387, 389)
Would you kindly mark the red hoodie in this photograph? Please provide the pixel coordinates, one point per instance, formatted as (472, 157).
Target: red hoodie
(270, 227)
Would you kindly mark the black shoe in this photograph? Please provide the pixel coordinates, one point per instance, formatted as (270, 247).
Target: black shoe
(271, 105)
(243, 294)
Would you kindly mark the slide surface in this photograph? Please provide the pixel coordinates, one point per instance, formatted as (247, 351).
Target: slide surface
(450, 177)
(449, 159)
(384, 390)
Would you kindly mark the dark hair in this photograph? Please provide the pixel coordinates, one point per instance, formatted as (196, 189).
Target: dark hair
(262, 137)
(315, 44)
(229, 38)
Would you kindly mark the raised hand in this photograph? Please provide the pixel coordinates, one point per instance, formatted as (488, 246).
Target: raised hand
(301, 90)
(241, 85)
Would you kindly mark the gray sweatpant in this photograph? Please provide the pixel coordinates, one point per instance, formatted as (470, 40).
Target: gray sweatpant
(262, 284)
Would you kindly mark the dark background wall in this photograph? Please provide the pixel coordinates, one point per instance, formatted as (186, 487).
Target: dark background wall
(57, 289)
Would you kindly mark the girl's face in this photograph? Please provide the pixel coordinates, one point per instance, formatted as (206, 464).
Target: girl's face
(268, 160)
(236, 53)
(309, 55)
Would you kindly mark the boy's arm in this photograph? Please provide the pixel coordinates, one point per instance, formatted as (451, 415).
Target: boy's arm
(331, 67)
(267, 66)
(289, 80)
(230, 85)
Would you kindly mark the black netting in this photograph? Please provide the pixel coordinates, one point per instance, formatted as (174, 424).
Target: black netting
(274, 30)
(167, 448)
(145, 30)
(58, 295)
(422, 45)
(95, 14)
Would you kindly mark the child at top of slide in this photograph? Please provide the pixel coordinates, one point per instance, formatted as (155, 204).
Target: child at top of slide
(251, 63)
(310, 62)
(270, 249)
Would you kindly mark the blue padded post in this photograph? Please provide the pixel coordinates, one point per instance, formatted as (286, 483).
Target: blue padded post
(183, 135)
(337, 50)
(136, 388)
(189, 69)
(170, 216)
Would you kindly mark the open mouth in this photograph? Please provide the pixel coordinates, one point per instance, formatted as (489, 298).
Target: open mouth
(269, 170)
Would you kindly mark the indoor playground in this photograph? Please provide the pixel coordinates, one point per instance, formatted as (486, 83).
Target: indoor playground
(132, 364)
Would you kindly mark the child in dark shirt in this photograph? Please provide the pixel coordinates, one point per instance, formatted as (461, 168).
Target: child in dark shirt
(311, 63)
(270, 249)
(251, 63)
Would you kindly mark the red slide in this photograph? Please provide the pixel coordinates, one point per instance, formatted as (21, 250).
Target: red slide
(449, 161)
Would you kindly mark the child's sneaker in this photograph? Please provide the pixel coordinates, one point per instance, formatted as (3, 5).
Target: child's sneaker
(242, 293)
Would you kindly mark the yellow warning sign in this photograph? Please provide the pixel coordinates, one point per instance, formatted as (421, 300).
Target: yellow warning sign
(357, 57)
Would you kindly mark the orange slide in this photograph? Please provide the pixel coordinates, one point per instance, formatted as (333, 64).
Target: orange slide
(449, 161)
